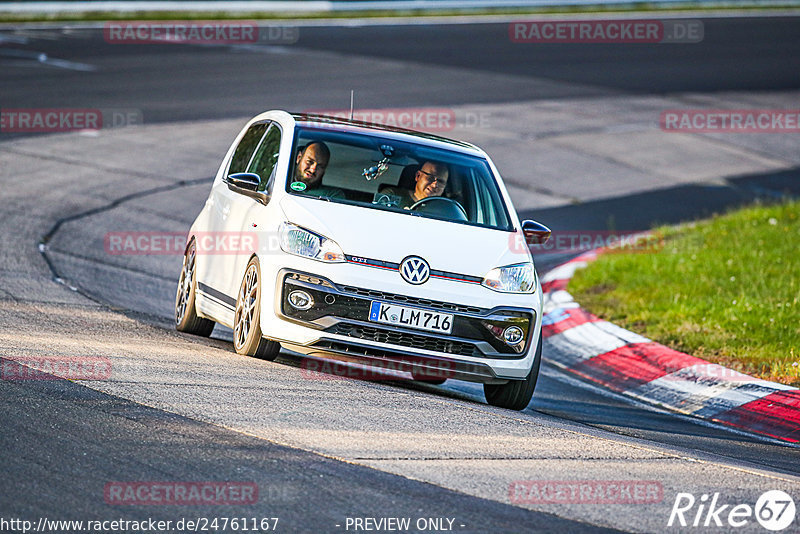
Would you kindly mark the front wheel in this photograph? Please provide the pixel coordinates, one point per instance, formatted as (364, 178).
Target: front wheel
(186, 319)
(247, 337)
(516, 394)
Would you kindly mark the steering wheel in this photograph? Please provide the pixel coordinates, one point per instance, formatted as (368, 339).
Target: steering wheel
(441, 199)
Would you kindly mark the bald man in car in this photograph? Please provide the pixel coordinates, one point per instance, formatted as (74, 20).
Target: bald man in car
(430, 181)
(310, 167)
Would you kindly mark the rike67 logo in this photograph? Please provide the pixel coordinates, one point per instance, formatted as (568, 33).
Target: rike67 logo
(774, 510)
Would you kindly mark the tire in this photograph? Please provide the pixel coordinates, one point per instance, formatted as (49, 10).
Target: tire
(516, 394)
(186, 319)
(247, 337)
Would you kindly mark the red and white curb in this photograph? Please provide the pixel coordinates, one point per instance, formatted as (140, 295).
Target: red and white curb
(635, 366)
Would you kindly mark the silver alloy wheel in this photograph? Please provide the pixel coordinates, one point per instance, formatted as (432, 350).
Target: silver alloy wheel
(245, 312)
(186, 318)
(185, 286)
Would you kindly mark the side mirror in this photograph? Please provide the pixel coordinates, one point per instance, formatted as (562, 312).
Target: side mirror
(535, 233)
(246, 183)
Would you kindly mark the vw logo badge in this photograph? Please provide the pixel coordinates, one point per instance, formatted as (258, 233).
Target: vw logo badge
(415, 270)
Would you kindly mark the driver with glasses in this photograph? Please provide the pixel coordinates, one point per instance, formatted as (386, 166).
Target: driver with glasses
(430, 181)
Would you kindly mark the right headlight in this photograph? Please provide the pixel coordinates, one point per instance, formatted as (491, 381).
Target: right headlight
(517, 278)
(301, 242)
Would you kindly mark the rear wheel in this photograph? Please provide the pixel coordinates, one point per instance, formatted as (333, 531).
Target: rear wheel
(186, 319)
(516, 394)
(247, 338)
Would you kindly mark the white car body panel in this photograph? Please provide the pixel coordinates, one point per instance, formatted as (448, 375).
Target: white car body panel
(361, 232)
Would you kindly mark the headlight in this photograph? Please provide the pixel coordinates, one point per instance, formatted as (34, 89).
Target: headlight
(301, 242)
(519, 278)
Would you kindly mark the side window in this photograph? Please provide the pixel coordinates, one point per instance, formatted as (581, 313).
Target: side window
(248, 144)
(490, 202)
(266, 157)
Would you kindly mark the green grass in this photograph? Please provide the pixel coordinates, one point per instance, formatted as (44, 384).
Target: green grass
(725, 289)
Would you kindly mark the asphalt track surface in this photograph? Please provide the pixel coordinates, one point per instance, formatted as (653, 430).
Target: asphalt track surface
(426, 65)
(89, 432)
(307, 492)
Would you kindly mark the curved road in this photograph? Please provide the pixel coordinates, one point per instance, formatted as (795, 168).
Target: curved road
(200, 412)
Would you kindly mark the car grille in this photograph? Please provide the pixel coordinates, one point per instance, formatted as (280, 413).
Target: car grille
(404, 339)
(382, 295)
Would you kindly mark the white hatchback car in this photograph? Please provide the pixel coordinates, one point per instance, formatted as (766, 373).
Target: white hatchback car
(370, 245)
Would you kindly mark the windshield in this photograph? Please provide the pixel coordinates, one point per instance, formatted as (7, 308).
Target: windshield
(398, 176)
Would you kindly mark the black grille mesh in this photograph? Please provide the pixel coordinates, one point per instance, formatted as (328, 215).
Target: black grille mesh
(404, 339)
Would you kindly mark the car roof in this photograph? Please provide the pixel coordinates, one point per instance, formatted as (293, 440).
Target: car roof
(342, 124)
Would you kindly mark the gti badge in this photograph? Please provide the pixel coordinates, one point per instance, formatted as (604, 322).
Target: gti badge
(415, 270)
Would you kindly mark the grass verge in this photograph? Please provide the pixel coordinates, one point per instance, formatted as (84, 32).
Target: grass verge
(725, 289)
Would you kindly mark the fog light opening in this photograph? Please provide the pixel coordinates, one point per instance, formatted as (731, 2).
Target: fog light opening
(300, 300)
(513, 335)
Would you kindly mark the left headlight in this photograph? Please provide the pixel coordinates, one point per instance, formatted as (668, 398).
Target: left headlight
(301, 242)
(518, 278)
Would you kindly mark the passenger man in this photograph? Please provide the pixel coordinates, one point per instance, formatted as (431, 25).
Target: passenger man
(310, 167)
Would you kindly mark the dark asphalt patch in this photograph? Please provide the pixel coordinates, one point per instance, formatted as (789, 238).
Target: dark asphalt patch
(64, 442)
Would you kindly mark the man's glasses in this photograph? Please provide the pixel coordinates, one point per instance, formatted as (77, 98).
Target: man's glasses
(433, 178)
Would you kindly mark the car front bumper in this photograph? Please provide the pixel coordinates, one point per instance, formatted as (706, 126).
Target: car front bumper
(475, 350)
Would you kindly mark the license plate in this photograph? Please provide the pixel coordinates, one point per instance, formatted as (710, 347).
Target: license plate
(380, 312)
